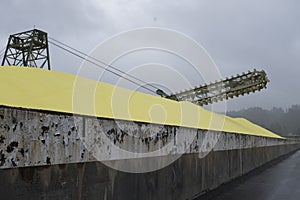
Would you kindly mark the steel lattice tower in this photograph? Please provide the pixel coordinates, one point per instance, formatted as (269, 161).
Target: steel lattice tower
(29, 48)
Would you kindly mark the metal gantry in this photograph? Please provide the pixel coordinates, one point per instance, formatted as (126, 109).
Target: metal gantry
(223, 89)
(29, 48)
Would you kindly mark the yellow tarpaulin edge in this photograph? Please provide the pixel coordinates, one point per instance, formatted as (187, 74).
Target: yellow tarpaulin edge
(62, 92)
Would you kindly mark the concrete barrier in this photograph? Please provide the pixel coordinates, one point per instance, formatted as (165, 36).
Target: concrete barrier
(43, 157)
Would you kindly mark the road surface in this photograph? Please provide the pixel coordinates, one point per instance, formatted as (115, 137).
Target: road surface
(280, 182)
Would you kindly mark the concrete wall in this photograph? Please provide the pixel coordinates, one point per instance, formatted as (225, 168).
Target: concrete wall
(42, 156)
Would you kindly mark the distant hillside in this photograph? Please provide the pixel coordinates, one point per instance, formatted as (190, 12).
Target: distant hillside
(277, 120)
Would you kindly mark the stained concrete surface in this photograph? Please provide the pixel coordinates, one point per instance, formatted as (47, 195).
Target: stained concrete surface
(185, 179)
(35, 138)
(280, 182)
(42, 156)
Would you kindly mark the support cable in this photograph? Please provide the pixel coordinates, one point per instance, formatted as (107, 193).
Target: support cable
(103, 63)
(101, 66)
(2, 52)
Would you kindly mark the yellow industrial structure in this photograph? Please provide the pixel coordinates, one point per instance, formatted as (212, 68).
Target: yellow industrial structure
(42, 89)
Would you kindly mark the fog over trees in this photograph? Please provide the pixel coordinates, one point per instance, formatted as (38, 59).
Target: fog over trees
(283, 122)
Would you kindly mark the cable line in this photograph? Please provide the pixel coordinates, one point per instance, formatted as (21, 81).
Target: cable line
(2, 52)
(103, 63)
(101, 66)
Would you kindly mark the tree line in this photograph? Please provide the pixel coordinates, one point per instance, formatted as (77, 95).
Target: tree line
(280, 121)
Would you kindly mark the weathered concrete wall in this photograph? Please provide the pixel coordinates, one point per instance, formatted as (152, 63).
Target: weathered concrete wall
(42, 156)
(186, 178)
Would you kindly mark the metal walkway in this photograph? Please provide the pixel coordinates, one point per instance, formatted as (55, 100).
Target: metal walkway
(280, 182)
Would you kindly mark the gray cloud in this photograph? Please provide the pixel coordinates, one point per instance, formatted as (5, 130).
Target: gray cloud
(239, 35)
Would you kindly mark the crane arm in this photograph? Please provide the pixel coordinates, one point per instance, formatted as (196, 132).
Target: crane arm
(223, 89)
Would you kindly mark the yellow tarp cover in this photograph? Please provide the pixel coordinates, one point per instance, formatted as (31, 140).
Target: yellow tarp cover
(57, 91)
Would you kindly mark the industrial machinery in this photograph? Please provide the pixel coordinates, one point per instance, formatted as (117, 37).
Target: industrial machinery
(224, 89)
(29, 49)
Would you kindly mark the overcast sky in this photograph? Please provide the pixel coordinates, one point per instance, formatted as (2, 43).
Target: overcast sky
(239, 35)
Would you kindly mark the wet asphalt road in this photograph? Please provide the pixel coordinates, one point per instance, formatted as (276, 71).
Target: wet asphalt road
(280, 182)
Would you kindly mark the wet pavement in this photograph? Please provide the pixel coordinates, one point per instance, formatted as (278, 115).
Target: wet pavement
(280, 182)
